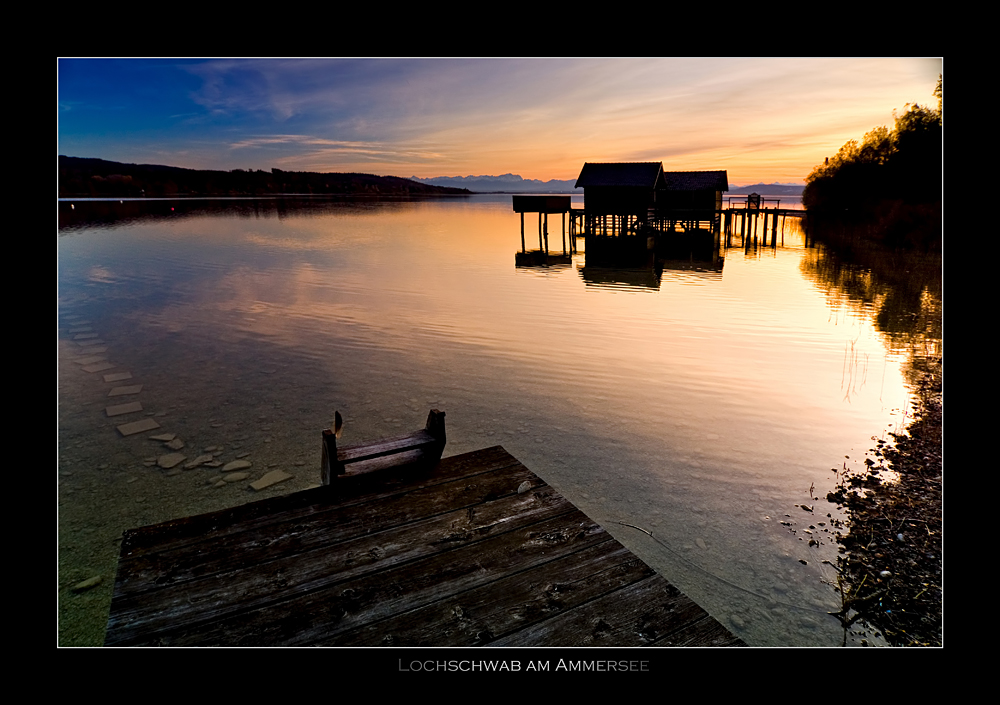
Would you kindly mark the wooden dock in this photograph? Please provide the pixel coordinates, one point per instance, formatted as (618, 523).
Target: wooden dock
(543, 205)
(729, 220)
(472, 550)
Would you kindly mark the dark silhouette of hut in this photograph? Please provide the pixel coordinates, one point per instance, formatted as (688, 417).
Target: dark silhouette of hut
(620, 188)
(693, 190)
(691, 198)
(634, 191)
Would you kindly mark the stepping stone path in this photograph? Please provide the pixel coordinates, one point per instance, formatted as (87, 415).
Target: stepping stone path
(120, 409)
(92, 358)
(122, 391)
(130, 429)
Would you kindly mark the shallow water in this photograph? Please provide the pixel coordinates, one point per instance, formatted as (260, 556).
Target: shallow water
(699, 404)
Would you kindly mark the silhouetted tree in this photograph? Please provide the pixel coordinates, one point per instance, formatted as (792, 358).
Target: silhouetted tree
(891, 180)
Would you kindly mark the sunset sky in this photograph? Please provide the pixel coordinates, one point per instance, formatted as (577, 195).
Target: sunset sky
(763, 120)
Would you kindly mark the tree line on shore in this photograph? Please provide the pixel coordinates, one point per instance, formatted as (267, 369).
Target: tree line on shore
(96, 178)
(888, 184)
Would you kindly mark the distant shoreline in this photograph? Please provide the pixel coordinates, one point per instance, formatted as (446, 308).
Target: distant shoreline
(81, 177)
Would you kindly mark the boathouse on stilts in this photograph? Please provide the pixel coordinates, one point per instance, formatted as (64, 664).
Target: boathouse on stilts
(543, 206)
(637, 214)
(622, 198)
(690, 200)
(618, 196)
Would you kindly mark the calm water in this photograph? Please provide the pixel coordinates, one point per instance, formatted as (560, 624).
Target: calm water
(700, 404)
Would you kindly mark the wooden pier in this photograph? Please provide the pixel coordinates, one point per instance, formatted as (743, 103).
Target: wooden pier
(729, 220)
(742, 219)
(543, 205)
(472, 550)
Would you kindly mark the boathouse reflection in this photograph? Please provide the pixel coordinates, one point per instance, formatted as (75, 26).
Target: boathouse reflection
(639, 262)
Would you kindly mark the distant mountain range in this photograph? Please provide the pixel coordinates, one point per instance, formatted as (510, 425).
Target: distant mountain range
(513, 183)
(507, 183)
(768, 189)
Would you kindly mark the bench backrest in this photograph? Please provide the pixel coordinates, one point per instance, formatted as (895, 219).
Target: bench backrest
(425, 446)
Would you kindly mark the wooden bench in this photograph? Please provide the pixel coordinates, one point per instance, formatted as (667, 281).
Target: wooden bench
(425, 446)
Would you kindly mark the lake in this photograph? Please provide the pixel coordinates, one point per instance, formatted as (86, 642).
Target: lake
(705, 403)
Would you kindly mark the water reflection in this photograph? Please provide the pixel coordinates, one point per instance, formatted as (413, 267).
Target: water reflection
(103, 213)
(628, 261)
(702, 411)
(543, 259)
(900, 291)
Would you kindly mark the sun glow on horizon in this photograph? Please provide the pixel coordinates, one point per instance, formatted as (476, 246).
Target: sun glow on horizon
(762, 120)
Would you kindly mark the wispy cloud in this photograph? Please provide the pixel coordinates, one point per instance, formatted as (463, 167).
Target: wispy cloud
(538, 117)
(328, 151)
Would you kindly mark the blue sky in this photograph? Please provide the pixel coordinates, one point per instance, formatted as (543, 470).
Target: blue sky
(761, 119)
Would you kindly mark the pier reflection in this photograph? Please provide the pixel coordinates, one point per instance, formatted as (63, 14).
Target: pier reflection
(631, 258)
(540, 258)
(638, 261)
(618, 261)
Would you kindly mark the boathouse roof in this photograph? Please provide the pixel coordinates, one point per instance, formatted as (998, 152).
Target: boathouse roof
(650, 175)
(641, 174)
(696, 180)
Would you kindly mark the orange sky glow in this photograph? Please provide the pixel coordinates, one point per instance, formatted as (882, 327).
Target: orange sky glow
(763, 120)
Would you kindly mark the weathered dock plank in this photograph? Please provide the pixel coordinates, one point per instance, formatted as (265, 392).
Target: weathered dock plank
(450, 554)
(221, 586)
(639, 614)
(506, 606)
(295, 507)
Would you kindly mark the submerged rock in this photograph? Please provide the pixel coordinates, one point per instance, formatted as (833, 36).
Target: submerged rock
(129, 429)
(119, 409)
(271, 478)
(87, 584)
(170, 460)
